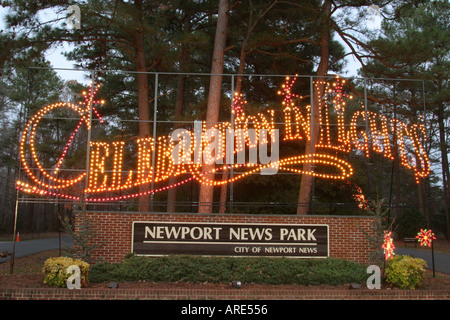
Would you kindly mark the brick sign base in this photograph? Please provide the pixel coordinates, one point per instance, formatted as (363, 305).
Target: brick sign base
(346, 239)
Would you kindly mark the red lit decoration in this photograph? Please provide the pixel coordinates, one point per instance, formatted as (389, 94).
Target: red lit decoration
(425, 237)
(361, 199)
(238, 104)
(358, 195)
(388, 246)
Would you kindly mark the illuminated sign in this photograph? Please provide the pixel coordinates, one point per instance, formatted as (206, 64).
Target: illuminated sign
(272, 240)
(226, 145)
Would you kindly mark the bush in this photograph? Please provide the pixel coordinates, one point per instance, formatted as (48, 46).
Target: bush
(405, 272)
(55, 271)
(228, 269)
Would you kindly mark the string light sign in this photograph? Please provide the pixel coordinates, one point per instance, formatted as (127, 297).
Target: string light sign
(225, 145)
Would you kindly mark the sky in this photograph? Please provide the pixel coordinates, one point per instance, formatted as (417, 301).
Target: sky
(55, 55)
(58, 61)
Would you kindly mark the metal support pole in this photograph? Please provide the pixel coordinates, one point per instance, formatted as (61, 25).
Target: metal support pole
(232, 127)
(313, 186)
(13, 253)
(16, 209)
(88, 146)
(155, 111)
(366, 117)
(429, 208)
(57, 207)
(395, 157)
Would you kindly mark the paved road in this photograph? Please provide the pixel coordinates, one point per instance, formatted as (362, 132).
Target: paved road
(24, 248)
(441, 260)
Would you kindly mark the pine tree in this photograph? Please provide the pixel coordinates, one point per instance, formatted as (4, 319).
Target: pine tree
(375, 236)
(215, 92)
(415, 45)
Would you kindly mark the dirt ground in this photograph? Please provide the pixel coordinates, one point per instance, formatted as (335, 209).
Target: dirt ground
(27, 274)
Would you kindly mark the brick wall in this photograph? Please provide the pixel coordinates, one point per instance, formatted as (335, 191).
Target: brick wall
(114, 230)
(162, 294)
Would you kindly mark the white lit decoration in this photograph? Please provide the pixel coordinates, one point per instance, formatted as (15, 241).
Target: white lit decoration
(107, 181)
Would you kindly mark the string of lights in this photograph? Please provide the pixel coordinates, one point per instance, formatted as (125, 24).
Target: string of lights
(106, 159)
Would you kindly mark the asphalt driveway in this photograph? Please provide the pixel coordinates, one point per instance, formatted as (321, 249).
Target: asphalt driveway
(441, 260)
(24, 248)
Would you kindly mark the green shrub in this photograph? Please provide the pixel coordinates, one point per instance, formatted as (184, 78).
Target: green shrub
(405, 272)
(55, 270)
(228, 269)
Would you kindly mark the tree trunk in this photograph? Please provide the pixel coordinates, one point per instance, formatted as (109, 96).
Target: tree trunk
(318, 91)
(172, 193)
(143, 111)
(237, 89)
(251, 26)
(445, 168)
(215, 90)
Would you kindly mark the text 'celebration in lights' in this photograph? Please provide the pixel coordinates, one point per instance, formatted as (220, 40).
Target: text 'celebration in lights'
(222, 146)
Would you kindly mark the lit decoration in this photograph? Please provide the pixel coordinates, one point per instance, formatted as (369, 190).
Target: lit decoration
(238, 103)
(388, 246)
(301, 123)
(358, 195)
(425, 237)
(227, 145)
(29, 134)
(361, 199)
(336, 98)
(377, 137)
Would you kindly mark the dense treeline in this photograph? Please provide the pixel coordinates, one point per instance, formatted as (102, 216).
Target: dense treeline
(128, 42)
